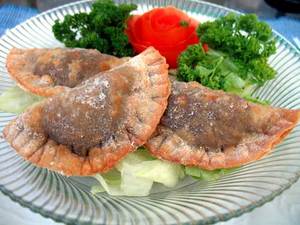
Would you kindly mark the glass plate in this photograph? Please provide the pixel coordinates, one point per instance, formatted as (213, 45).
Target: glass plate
(68, 199)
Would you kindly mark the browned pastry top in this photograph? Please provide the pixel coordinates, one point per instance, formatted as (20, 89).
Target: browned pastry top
(92, 113)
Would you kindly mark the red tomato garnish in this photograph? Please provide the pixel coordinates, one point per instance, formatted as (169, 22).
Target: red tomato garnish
(205, 47)
(168, 29)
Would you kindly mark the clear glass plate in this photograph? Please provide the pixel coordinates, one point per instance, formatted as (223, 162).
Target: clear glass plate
(68, 199)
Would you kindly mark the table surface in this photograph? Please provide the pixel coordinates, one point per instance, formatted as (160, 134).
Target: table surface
(283, 210)
(259, 7)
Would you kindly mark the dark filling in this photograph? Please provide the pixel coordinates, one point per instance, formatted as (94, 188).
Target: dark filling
(82, 119)
(210, 120)
(70, 67)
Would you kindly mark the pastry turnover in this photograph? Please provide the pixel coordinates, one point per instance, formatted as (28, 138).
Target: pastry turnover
(213, 129)
(89, 128)
(47, 72)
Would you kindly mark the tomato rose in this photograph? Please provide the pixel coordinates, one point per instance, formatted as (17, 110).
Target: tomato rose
(168, 29)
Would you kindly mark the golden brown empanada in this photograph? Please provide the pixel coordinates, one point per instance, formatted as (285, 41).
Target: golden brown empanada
(89, 128)
(47, 72)
(213, 129)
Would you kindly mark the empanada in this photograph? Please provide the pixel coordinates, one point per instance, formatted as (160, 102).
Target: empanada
(213, 129)
(47, 72)
(89, 128)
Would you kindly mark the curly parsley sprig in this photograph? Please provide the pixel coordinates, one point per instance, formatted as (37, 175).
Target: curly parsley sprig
(102, 28)
(237, 59)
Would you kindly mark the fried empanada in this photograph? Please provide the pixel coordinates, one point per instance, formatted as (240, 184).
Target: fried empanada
(213, 129)
(47, 72)
(89, 128)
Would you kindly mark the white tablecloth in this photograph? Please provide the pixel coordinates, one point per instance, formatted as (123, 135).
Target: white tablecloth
(283, 210)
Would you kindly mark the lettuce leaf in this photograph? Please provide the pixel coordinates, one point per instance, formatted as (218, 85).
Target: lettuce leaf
(202, 174)
(135, 175)
(16, 100)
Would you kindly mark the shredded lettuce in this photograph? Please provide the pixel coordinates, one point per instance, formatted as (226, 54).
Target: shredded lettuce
(16, 100)
(136, 174)
(202, 174)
